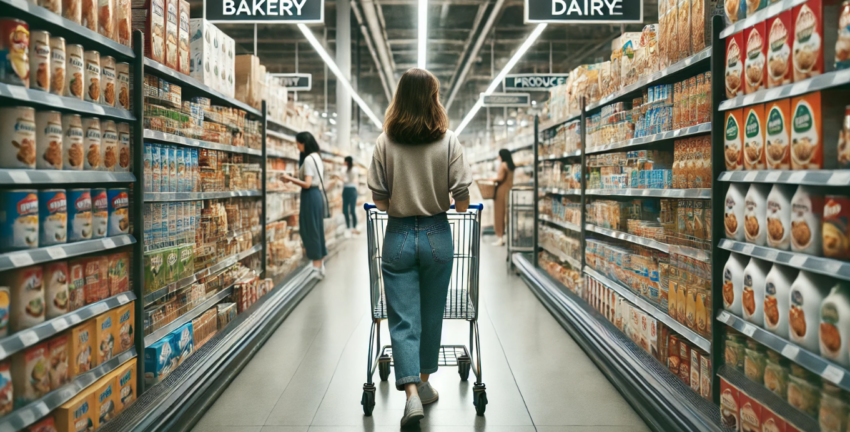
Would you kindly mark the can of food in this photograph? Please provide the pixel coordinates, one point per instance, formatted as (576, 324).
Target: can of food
(14, 52)
(79, 214)
(54, 6)
(40, 60)
(99, 212)
(124, 156)
(72, 10)
(72, 141)
(19, 228)
(92, 76)
(53, 216)
(92, 144)
(27, 292)
(123, 71)
(57, 65)
(17, 137)
(56, 280)
(75, 67)
(110, 79)
(119, 208)
(109, 143)
(48, 140)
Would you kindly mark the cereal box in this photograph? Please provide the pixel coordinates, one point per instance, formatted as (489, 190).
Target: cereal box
(683, 31)
(105, 328)
(695, 370)
(97, 278)
(156, 168)
(705, 377)
(125, 380)
(806, 132)
(780, 38)
(183, 36)
(148, 162)
(182, 342)
(78, 414)
(836, 227)
(149, 17)
(755, 57)
(154, 271)
(172, 23)
(734, 64)
(160, 360)
(777, 134)
(125, 330)
(684, 362)
(172, 263)
(729, 405)
(809, 41)
(119, 268)
(754, 137)
(76, 284)
(105, 393)
(733, 147)
(59, 372)
(81, 347)
(31, 372)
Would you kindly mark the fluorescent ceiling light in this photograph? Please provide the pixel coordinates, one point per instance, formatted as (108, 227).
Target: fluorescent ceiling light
(423, 34)
(498, 80)
(339, 76)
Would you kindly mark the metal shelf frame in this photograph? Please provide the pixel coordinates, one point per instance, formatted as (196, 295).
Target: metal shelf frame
(825, 81)
(565, 225)
(27, 177)
(820, 265)
(158, 136)
(655, 193)
(652, 139)
(43, 100)
(28, 257)
(196, 196)
(808, 177)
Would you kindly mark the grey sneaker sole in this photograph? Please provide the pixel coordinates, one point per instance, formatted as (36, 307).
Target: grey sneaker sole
(411, 417)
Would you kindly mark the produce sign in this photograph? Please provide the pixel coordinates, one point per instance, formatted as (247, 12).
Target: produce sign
(534, 82)
(507, 99)
(264, 11)
(584, 11)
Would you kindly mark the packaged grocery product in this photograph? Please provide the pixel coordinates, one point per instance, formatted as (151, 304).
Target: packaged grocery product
(202, 52)
(14, 52)
(79, 214)
(75, 70)
(183, 36)
(6, 388)
(92, 76)
(734, 64)
(72, 10)
(149, 17)
(125, 378)
(123, 22)
(19, 227)
(5, 304)
(118, 208)
(684, 362)
(695, 370)
(105, 328)
(105, 395)
(779, 216)
(77, 284)
(40, 60)
(832, 415)
(750, 413)
(106, 18)
(778, 138)
(99, 212)
(72, 142)
(160, 360)
(835, 325)
(56, 289)
(123, 70)
(807, 294)
(124, 338)
(754, 158)
(110, 78)
(836, 227)
(733, 143)
(844, 141)
(705, 377)
(683, 30)
(59, 361)
(81, 347)
(48, 128)
(755, 58)
(804, 390)
(755, 214)
(57, 65)
(154, 271)
(806, 219)
(97, 278)
(44, 425)
(17, 137)
(77, 414)
(93, 150)
(729, 405)
(776, 374)
(53, 216)
(780, 40)
(182, 342)
(752, 298)
(89, 14)
(109, 145)
(27, 294)
(172, 24)
(124, 156)
(777, 290)
(808, 40)
(31, 372)
(119, 265)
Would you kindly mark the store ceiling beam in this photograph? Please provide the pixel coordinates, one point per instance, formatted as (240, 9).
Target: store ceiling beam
(383, 23)
(380, 43)
(367, 38)
(456, 80)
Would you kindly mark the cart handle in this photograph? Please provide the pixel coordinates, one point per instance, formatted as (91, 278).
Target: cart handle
(479, 206)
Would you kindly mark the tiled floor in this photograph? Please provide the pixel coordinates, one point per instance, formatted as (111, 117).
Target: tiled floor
(309, 376)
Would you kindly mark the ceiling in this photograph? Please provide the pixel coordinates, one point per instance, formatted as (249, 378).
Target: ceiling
(455, 29)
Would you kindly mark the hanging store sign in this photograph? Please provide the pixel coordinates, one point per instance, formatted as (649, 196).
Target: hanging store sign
(506, 99)
(264, 11)
(584, 11)
(533, 82)
(294, 81)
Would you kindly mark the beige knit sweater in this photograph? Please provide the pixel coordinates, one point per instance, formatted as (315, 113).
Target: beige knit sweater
(417, 179)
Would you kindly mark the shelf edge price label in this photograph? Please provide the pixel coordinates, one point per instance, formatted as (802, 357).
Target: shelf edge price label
(833, 374)
(749, 330)
(790, 351)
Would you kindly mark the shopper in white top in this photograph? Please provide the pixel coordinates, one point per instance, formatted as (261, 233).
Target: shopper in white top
(349, 196)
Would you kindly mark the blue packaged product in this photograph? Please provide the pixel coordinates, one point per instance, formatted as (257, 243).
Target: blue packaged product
(119, 208)
(172, 224)
(18, 219)
(163, 226)
(188, 232)
(172, 169)
(159, 360)
(52, 216)
(79, 214)
(178, 233)
(165, 171)
(148, 163)
(99, 212)
(156, 168)
(180, 168)
(156, 225)
(148, 224)
(182, 342)
(196, 172)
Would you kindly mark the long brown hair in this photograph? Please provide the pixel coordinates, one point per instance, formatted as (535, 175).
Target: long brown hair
(416, 115)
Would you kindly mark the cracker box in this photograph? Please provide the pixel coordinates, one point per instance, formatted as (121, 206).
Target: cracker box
(172, 23)
(159, 361)
(778, 134)
(149, 18)
(78, 414)
(755, 58)
(125, 380)
(31, 373)
(729, 405)
(183, 36)
(750, 413)
(806, 132)
(105, 328)
(182, 342)
(59, 368)
(126, 325)
(754, 137)
(734, 65)
(808, 50)
(81, 347)
(733, 151)
(119, 273)
(97, 278)
(105, 392)
(780, 39)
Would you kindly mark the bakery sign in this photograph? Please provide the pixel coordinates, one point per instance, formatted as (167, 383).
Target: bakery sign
(506, 99)
(584, 11)
(294, 81)
(264, 11)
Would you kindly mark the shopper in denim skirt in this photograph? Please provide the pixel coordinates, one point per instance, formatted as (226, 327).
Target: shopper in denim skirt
(417, 169)
(313, 202)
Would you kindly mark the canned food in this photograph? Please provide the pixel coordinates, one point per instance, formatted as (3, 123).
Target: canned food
(123, 85)
(19, 227)
(119, 208)
(92, 146)
(88, 16)
(14, 52)
(109, 76)
(123, 148)
(27, 292)
(75, 67)
(17, 137)
(56, 280)
(72, 141)
(48, 140)
(40, 60)
(79, 215)
(57, 65)
(100, 212)
(92, 76)
(53, 216)
(54, 6)
(72, 10)
(109, 142)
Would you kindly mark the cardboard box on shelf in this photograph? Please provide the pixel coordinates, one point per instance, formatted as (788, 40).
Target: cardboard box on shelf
(149, 18)
(183, 36)
(125, 327)
(125, 380)
(105, 392)
(202, 64)
(82, 346)
(106, 325)
(77, 414)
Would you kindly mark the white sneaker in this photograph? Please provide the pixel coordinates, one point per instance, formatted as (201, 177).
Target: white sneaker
(413, 411)
(499, 242)
(322, 271)
(347, 234)
(427, 393)
(319, 271)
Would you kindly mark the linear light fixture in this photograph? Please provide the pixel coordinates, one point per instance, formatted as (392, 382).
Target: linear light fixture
(423, 34)
(501, 76)
(339, 76)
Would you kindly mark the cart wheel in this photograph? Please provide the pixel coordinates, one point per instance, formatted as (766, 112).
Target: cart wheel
(479, 399)
(368, 400)
(384, 369)
(463, 366)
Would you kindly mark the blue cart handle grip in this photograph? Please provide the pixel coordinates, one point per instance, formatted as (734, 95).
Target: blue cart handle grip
(479, 206)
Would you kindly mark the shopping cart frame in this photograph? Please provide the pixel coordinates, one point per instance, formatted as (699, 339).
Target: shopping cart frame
(461, 304)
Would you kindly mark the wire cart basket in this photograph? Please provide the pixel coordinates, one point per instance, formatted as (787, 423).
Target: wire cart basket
(461, 303)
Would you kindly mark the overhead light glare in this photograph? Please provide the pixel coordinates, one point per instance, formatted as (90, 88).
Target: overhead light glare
(501, 76)
(423, 34)
(339, 76)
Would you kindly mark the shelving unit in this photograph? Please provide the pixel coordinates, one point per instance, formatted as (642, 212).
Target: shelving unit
(825, 266)
(25, 258)
(655, 193)
(820, 82)
(195, 196)
(151, 135)
(651, 139)
(808, 178)
(25, 178)
(567, 225)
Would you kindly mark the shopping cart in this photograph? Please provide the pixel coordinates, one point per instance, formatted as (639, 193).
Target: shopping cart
(461, 303)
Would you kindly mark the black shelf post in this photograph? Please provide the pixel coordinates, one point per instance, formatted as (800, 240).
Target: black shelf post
(535, 240)
(584, 173)
(264, 167)
(138, 80)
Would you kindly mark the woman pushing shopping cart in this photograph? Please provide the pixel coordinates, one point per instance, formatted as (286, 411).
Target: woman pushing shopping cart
(423, 260)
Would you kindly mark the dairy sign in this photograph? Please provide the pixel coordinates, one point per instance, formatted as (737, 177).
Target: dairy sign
(533, 82)
(584, 11)
(264, 11)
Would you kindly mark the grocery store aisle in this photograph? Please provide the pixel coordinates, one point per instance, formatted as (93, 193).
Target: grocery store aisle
(309, 375)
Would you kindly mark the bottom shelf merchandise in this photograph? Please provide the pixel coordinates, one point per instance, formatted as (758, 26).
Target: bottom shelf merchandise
(96, 405)
(284, 248)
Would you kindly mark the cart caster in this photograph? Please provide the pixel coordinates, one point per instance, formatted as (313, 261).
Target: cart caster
(479, 398)
(368, 399)
(384, 367)
(464, 363)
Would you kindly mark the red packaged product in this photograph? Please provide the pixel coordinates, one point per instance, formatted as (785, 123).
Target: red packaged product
(97, 278)
(45, 425)
(836, 227)
(770, 422)
(76, 284)
(755, 56)
(807, 51)
(780, 39)
(750, 413)
(729, 397)
(685, 364)
(734, 65)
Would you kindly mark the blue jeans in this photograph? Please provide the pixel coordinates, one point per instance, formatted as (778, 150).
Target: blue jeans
(416, 264)
(349, 206)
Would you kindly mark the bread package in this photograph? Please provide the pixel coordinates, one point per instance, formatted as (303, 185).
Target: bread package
(149, 18)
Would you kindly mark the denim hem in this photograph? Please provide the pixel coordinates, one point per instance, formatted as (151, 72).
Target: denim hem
(429, 371)
(399, 383)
